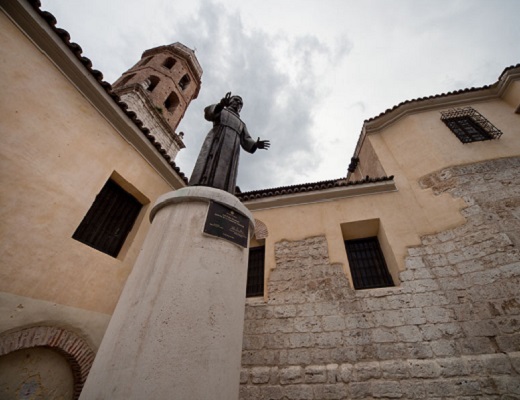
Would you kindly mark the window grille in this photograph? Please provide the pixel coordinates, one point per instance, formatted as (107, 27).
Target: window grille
(469, 125)
(367, 264)
(255, 272)
(109, 220)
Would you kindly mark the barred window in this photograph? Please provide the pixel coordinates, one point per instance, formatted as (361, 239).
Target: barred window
(255, 272)
(109, 220)
(469, 125)
(367, 264)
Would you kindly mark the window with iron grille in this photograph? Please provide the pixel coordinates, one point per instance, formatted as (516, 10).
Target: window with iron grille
(255, 272)
(469, 125)
(367, 264)
(109, 220)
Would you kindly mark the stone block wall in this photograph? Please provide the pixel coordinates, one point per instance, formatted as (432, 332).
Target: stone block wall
(451, 330)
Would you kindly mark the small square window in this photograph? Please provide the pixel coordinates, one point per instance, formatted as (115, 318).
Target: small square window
(255, 272)
(367, 264)
(109, 220)
(469, 125)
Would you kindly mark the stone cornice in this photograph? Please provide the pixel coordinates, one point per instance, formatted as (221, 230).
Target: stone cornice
(36, 25)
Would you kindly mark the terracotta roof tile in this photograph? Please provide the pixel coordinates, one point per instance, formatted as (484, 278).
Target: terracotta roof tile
(307, 187)
(467, 90)
(98, 76)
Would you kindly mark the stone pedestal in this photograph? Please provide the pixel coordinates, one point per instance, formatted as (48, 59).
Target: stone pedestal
(177, 329)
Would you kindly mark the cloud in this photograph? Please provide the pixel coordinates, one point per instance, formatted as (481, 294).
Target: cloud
(308, 78)
(279, 81)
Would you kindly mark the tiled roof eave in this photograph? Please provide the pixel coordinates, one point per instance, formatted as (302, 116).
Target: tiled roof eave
(308, 187)
(449, 99)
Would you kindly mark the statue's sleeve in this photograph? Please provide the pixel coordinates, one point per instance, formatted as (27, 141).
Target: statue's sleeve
(247, 142)
(212, 112)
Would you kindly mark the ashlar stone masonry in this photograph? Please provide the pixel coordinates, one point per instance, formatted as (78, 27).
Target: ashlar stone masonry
(451, 330)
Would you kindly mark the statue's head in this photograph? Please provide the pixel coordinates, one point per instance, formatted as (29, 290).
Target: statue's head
(235, 103)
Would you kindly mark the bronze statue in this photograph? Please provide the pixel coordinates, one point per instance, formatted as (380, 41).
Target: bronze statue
(217, 164)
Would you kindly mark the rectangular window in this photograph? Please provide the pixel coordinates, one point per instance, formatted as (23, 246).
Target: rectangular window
(367, 264)
(109, 220)
(255, 272)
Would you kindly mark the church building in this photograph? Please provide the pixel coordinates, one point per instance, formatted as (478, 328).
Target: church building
(400, 280)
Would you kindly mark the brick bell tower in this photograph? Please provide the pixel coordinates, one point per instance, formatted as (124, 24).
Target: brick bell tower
(159, 89)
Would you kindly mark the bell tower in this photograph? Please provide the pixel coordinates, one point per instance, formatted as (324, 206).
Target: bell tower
(159, 89)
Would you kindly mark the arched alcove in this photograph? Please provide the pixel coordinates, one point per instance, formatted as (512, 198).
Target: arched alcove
(35, 373)
(68, 344)
(261, 231)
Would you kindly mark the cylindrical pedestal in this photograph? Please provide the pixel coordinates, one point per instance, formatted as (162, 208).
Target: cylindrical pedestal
(176, 332)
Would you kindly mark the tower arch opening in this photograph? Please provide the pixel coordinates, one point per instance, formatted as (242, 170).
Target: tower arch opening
(171, 102)
(184, 82)
(154, 81)
(169, 62)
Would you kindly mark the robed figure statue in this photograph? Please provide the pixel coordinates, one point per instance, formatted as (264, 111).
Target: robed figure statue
(217, 164)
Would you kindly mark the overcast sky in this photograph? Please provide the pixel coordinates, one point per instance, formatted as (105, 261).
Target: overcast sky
(309, 71)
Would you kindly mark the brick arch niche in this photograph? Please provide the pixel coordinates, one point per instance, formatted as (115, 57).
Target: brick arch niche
(261, 231)
(75, 349)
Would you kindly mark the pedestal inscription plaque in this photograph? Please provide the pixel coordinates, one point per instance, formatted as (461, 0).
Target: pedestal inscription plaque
(226, 223)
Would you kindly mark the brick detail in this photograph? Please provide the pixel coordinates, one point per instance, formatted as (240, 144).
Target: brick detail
(261, 231)
(450, 330)
(75, 349)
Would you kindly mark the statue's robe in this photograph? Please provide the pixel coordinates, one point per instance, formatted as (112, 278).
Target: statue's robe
(217, 164)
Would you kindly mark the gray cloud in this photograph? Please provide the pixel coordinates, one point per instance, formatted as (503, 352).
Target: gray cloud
(300, 89)
(279, 96)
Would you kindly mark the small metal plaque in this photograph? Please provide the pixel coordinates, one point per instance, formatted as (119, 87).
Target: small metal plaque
(226, 223)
